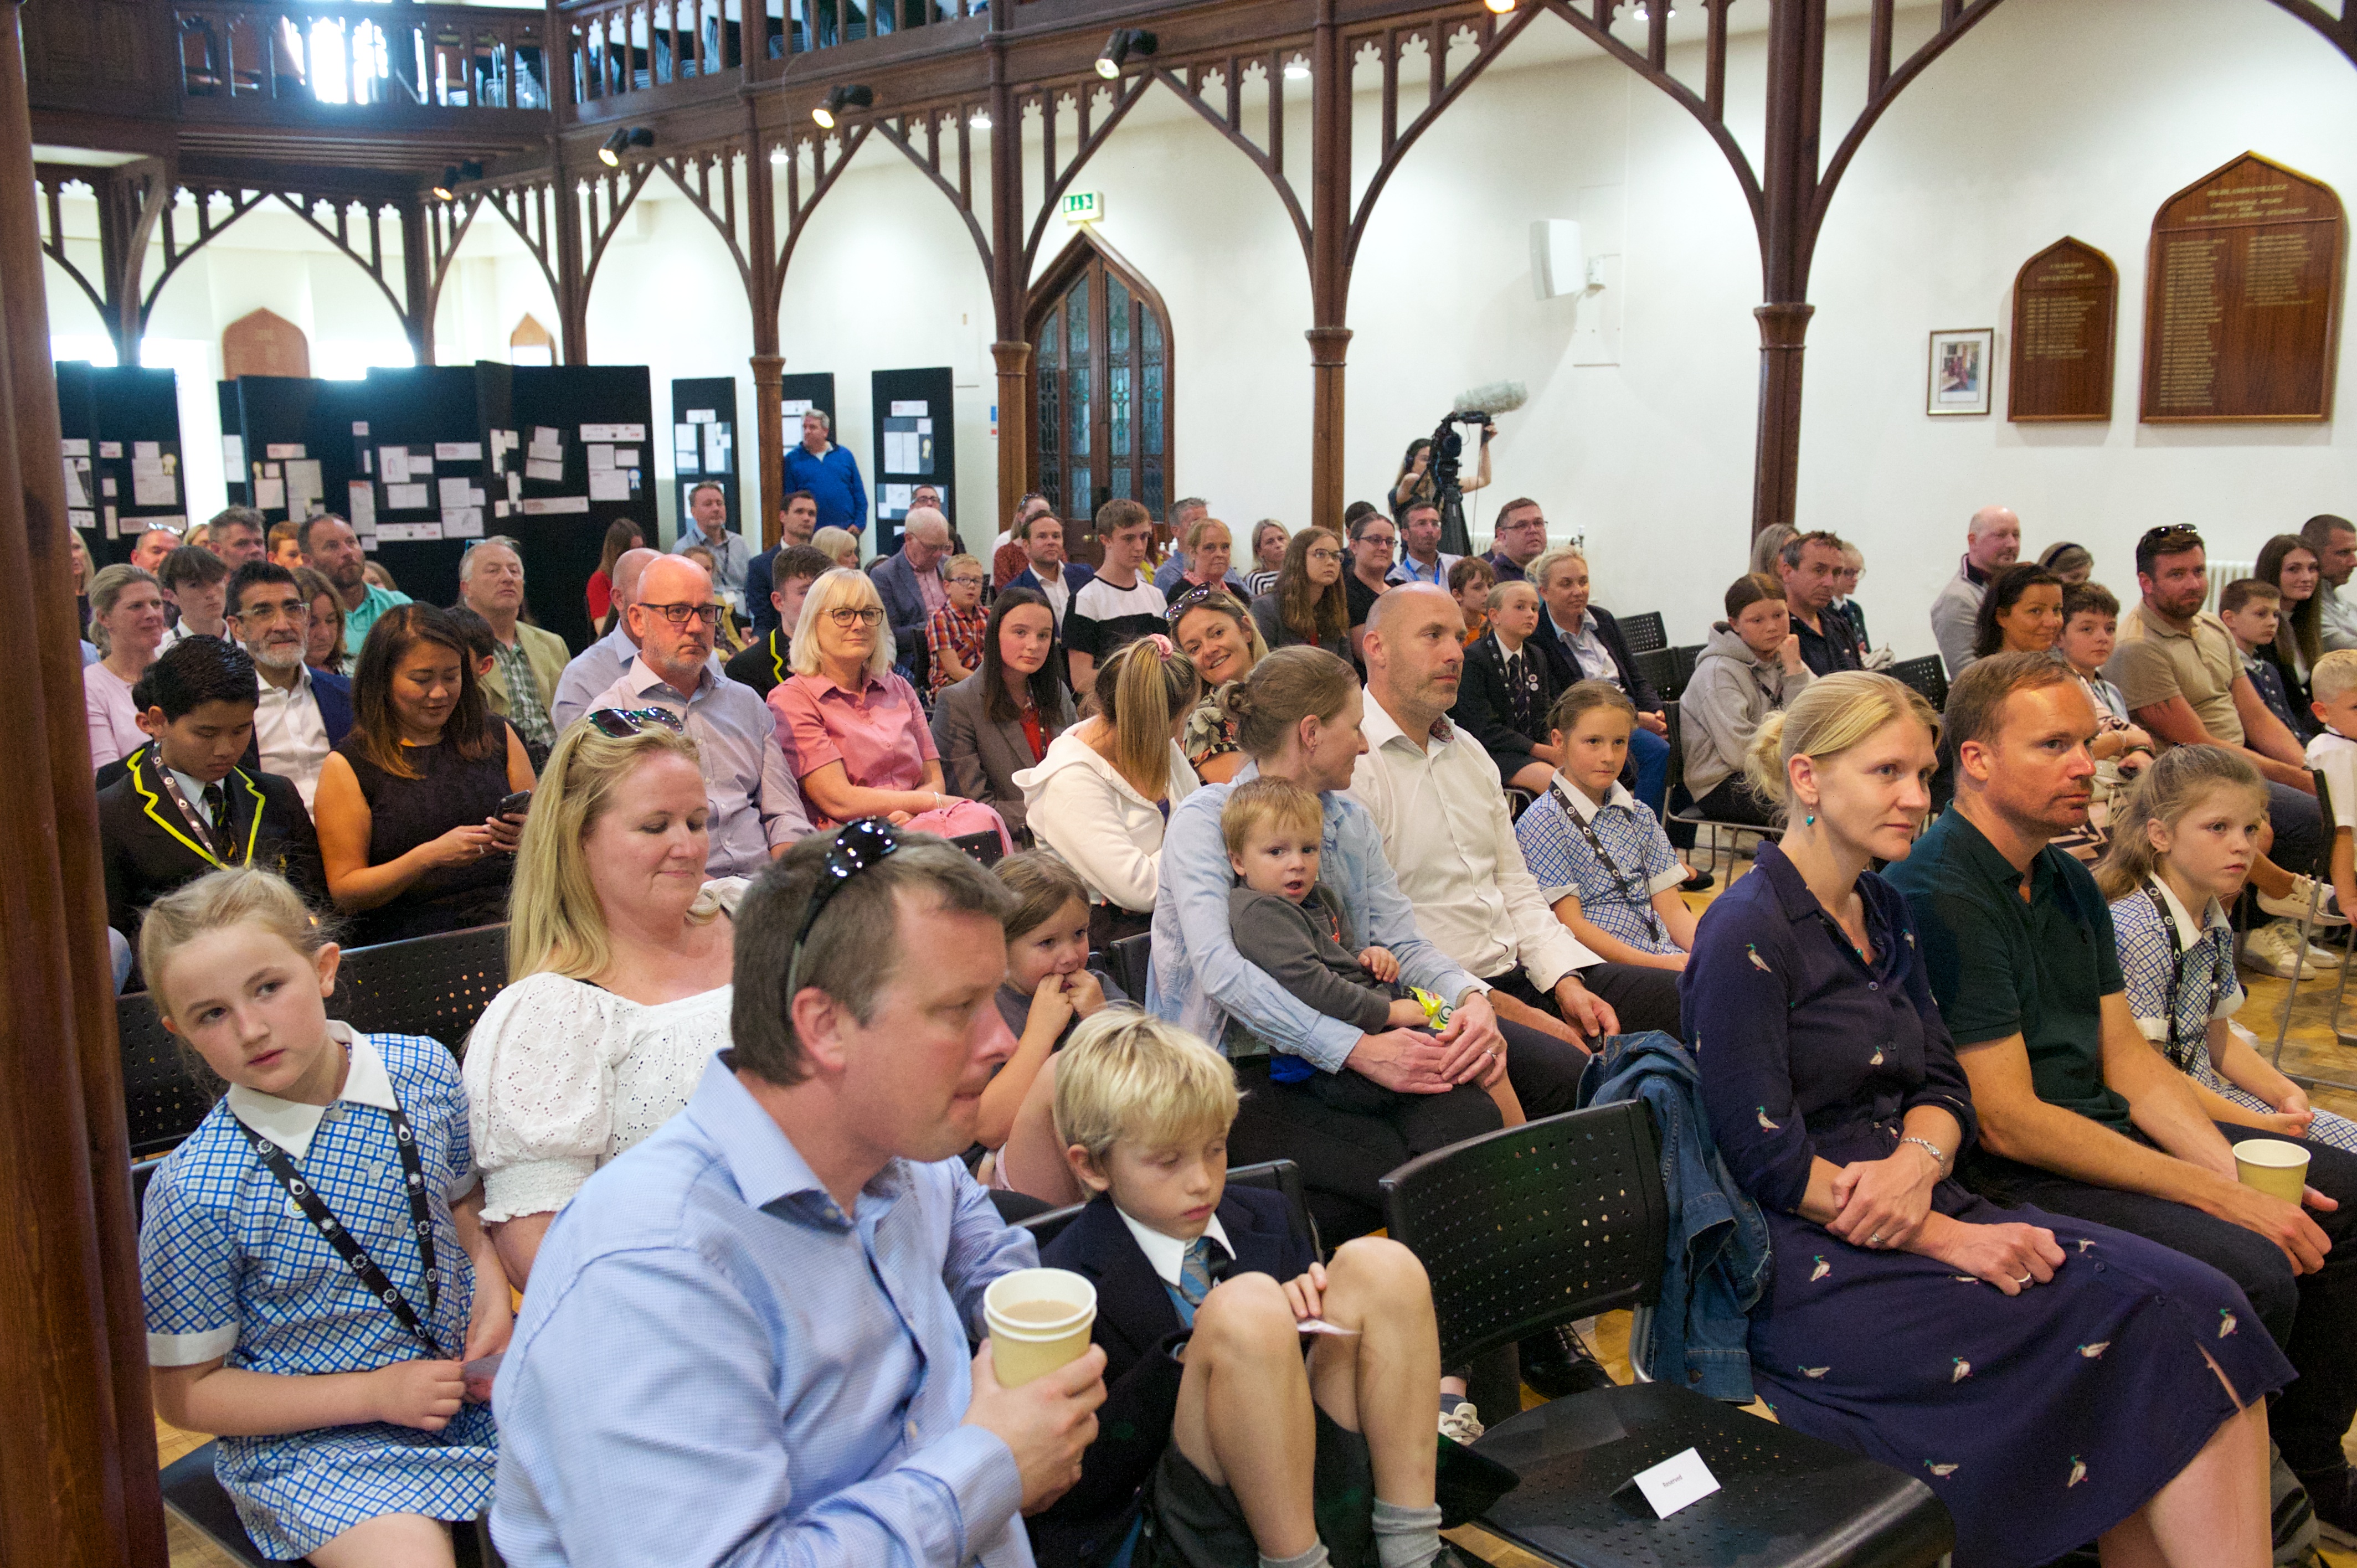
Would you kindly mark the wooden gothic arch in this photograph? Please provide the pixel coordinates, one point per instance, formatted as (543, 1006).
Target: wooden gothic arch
(1098, 401)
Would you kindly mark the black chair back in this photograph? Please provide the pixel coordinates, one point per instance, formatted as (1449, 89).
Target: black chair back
(1927, 675)
(1644, 633)
(1529, 1227)
(162, 1101)
(1130, 960)
(1660, 668)
(1674, 733)
(983, 846)
(1685, 660)
(436, 986)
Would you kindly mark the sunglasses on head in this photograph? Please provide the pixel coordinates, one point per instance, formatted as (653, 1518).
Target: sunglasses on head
(856, 846)
(2170, 531)
(620, 724)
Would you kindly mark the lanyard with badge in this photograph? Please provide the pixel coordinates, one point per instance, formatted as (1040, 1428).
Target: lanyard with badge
(1619, 883)
(355, 1256)
(219, 844)
(2180, 1058)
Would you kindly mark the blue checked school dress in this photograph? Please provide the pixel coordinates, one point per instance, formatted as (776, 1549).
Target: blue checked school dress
(232, 1267)
(2180, 976)
(1615, 856)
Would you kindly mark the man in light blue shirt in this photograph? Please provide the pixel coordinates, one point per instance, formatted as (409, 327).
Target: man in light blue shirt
(1421, 558)
(602, 663)
(746, 1339)
(757, 810)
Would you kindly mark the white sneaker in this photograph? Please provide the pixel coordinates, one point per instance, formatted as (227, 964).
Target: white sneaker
(2271, 949)
(1461, 1426)
(2294, 903)
(2316, 956)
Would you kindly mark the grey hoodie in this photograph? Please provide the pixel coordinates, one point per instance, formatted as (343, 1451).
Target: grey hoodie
(1723, 703)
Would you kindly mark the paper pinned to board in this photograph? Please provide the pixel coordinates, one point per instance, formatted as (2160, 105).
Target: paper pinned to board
(77, 470)
(305, 490)
(609, 484)
(547, 473)
(269, 493)
(601, 457)
(409, 532)
(153, 482)
(626, 457)
(716, 444)
(359, 507)
(274, 449)
(394, 464)
(462, 522)
(912, 409)
(407, 498)
(233, 454)
(457, 490)
(110, 448)
(73, 447)
(554, 505)
(457, 452)
(83, 519)
(701, 415)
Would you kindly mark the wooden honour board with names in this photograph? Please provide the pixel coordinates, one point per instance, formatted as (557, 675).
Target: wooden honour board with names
(2065, 313)
(2242, 300)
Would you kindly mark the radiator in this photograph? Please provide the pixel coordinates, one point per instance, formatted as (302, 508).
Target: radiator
(2224, 572)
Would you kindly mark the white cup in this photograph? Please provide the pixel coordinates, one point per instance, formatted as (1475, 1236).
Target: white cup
(1039, 1320)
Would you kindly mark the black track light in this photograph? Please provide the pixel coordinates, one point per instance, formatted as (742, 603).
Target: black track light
(447, 188)
(1124, 43)
(623, 141)
(851, 96)
(470, 169)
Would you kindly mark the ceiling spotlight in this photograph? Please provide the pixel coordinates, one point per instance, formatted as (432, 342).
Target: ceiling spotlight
(778, 153)
(446, 188)
(1500, 7)
(1297, 70)
(611, 151)
(1125, 42)
(980, 120)
(853, 96)
(1643, 17)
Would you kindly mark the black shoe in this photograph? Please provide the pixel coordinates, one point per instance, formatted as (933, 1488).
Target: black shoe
(1557, 1363)
(2333, 1494)
(1700, 882)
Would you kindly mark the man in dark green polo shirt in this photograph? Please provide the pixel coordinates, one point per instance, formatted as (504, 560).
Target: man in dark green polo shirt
(2079, 1115)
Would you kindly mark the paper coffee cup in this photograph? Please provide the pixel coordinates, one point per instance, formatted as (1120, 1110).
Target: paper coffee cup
(2275, 1167)
(1039, 1320)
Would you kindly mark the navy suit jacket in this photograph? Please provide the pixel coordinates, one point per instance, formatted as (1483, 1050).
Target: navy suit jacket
(148, 848)
(1566, 668)
(761, 615)
(1139, 1329)
(334, 695)
(1076, 573)
(905, 614)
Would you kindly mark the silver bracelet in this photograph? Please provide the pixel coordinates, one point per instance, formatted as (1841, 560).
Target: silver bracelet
(1938, 1159)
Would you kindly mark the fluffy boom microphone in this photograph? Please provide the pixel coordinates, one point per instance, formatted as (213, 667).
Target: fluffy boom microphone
(1493, 397)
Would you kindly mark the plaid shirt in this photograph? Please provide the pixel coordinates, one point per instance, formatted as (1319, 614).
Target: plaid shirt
(958, 632)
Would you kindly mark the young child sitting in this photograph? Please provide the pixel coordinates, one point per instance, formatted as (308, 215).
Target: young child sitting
(1221, 1443)
(1597, 851)
(2333, 753)
(2091, 626)
(1049, 989)
(2183, 844)
(2253, 610)
(1469, 582)
(314, 1272)
(953, 634)
(1290, 925)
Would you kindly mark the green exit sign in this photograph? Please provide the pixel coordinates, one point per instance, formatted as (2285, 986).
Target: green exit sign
(1084, 206)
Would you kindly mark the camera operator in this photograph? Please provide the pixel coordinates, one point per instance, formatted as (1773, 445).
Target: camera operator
(1416, 481)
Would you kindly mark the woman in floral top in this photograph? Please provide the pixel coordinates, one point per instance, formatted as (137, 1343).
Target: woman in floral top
(1215, 631)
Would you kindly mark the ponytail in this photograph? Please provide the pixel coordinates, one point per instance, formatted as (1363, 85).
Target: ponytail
(1290, 685)
(1143, 690)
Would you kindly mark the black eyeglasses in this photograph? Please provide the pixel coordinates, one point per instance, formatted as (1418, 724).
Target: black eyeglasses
(846, 617)
(620, 724)
(856, 846)
(706, 615)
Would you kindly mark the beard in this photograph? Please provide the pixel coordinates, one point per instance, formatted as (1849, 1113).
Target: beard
(276, 657)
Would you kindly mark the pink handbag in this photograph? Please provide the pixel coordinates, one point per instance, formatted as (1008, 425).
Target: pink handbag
(961, 818)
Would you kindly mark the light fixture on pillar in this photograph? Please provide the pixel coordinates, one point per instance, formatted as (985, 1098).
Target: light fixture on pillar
(1501, 8)
(1124, 43)
(838, 99)
(1297, 69)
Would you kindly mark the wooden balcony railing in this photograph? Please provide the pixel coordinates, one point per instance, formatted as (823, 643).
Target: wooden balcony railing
(620, 47)
(335, 52)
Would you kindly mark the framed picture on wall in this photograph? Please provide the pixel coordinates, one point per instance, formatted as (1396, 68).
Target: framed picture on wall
(1958, 381)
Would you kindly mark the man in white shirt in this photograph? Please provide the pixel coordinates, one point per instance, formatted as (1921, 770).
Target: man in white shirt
(1421, 560)
(1049, 575)
(1437, 797)
(2334, 540)
(602, 663)
(303, 712)
(196, 583)
(708, 505)
(1993, 539)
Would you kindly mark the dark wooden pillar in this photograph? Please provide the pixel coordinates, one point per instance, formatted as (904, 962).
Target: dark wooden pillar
(1796, 58)
(572, 289)
(78, 1473)
(1010, 285)
(761, 291)
(1330, 270)
(417, 277)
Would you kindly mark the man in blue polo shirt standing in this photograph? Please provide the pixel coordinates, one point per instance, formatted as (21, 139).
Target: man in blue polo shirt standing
(2080, 1114)
(829, 473)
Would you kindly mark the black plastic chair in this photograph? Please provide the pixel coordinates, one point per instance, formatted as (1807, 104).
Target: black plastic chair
(1644, 633)
(1683, 659)
(1660, 668)
(1130, 960)
(194, 1496)
(1927, 675)
(1693, 813)
(436, 986)
(1270, 1175)
(983, 846)
(1534, 1226)
(162, 1099)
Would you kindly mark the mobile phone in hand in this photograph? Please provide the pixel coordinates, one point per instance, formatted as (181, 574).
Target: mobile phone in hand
(515, 805)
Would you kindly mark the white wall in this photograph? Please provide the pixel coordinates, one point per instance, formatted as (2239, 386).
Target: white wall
(2064, 116)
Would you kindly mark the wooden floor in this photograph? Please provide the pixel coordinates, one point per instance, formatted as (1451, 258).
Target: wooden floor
(2310, 1049)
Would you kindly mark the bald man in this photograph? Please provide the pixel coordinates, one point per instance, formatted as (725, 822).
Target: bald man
(602, 662)
(1993, 539)
(910, 583)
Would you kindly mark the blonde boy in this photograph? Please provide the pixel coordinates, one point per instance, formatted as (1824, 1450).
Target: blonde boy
(1216, 1426)
(2333, 684)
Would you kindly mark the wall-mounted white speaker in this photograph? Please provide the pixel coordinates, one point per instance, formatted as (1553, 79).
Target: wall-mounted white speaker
(1558, 261)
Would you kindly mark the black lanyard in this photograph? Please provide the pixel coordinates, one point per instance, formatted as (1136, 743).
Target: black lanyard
(2180, 1058)
(1619, 883)
(354, 1255)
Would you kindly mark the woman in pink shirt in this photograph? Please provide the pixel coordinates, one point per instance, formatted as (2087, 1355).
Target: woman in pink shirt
(853, 731)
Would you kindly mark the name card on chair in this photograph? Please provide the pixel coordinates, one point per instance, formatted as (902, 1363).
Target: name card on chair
(1674, 1483)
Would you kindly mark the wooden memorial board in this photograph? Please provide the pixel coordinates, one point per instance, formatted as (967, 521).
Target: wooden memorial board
(2065, 312)
(2241, 297)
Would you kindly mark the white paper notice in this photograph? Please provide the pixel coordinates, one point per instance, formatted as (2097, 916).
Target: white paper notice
(900, 451)
(79, 448)
(153, 451)
(83, 519)
(795, 407)
(232, 453)
(613, 433)
(153, 484)
(462, 522)
(916, 410)
(626, 457)
(110, 448)
(457, 492)
(359, 507)
(498, 509)
(545, 435)
(269, 494)
(420, 464)
(112, 528)
(304, 486)
(395, 463)
(458, 452)
(547, 506)
(77, 482)
(106, 485)
(515, 489)
(1676, 1482)
(600, 459)
(274, 449)
(544, 452)
(551, 472)
(407, 498)
(359, 429)
(408, 533)
(701, 415)
(924, 428)
(716, 448)
(896, 499)
(609, 484)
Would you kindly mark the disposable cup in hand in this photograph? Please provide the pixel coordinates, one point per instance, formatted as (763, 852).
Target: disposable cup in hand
(1039, 1320)
(2272, 1166)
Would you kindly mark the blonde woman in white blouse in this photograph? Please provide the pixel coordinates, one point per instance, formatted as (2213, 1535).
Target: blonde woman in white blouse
(621, 950)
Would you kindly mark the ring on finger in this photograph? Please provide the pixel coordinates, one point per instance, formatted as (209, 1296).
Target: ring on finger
(1875, 1239)
(2022, 1281)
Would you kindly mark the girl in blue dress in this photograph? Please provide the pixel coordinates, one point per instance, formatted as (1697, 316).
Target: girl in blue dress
(2182, 844)
(2110, 1390)
(314, 1269)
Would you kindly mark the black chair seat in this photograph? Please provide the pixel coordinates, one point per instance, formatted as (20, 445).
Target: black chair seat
(1128, 961)
(1784, 1500)
(984, 846)
(193, 1495)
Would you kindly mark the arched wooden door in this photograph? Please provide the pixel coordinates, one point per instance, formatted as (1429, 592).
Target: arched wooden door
(1099, 390)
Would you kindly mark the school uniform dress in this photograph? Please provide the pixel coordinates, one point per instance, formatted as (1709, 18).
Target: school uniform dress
(2041, 1419)
(232, 1269)
(2180, 976)
(1615, 856)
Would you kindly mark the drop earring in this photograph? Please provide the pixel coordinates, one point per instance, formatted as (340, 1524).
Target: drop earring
(1809, 821)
